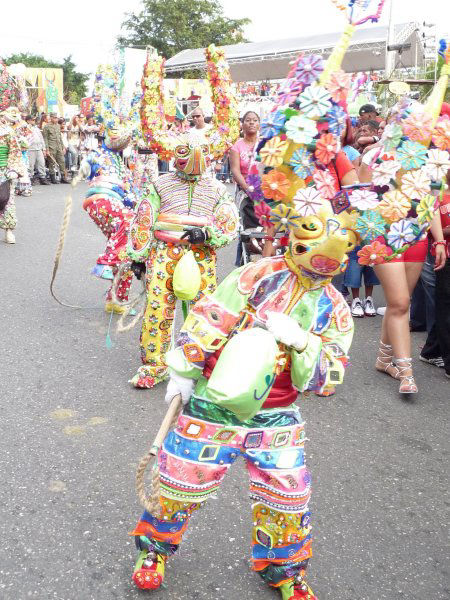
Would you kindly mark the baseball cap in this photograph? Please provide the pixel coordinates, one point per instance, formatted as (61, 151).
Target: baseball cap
(367, 108)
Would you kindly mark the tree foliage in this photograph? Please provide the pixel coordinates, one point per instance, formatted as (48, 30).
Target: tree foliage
(174, 25)
(74, 81)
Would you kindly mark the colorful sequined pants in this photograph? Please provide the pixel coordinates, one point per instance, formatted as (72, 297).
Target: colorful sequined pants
(159, 315)
(113, 219)
(8, 218)
(120, 288)
(194, 460)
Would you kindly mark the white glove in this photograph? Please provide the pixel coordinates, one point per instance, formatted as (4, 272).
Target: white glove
(179, 385)
(85, 169)
(286, 330)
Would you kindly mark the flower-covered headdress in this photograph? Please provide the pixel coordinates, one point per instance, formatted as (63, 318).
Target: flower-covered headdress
(406, 172)
(9, 93)
(298, 192)
(225, 123)
(118, 120)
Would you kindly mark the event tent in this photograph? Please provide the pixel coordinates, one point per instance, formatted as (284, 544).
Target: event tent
(258, 61)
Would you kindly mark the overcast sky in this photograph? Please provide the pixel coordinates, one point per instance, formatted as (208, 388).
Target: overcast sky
(87, 29)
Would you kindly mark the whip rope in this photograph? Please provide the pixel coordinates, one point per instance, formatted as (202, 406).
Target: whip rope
(151, 502)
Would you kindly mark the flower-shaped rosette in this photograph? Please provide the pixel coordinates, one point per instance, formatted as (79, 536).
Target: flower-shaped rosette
(392, 136)
(364, 199)
(284, 217)
(275, 185)
(272, 152)
(418, 126)
(314, 102)
(372, 254)
(324, 183)
(302, 163)
(255, 192)
(336, 118)
(416, 184)
(339, 85)
(326, 148)
(441, 134)
(307, 202)
(370, 225)
(272, 124)
(394, 206)
(438, 164)
(383, 172)
(300, 129)
(401, 234)
(309, 68)
(262, 213)
(426, 209)
(411, 155)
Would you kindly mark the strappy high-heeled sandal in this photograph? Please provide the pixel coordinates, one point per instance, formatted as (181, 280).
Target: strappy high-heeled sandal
(407, 383)
(384, 361)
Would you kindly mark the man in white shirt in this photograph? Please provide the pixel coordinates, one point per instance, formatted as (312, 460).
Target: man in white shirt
(36, 152)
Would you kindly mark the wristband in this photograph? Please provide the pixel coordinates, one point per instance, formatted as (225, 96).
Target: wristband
(440, 242)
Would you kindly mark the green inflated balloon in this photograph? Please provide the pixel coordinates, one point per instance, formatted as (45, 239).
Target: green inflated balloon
(187, 277)
(244, 373)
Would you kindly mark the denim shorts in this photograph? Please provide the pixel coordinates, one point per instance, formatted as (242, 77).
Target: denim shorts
(354, 273)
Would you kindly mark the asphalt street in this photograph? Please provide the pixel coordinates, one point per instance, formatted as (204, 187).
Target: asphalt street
(73, 430)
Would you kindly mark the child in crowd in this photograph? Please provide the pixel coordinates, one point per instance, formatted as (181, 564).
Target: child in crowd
(352, 279)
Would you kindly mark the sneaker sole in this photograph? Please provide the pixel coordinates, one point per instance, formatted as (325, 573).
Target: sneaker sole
(357, 316)
(430, 362)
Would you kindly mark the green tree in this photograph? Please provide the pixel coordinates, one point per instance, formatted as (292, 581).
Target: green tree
(174, 25)
(74, 81)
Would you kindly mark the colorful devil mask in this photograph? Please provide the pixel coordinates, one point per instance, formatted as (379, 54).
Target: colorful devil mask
(191, 158)
(117, 137)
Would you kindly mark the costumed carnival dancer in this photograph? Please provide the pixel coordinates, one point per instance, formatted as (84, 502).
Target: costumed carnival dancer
(271, 330)
(111, 197)
(12, 165)
(183, 211)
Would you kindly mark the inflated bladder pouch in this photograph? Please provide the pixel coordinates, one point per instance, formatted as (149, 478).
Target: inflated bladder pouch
(186, 277)
(244, 373)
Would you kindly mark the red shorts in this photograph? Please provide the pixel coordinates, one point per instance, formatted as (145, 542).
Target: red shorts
(415, 254)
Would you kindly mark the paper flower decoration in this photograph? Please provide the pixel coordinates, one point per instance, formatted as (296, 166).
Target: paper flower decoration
(326, 148)
(418, 126)
(314, 101)
(272, 124)
(307, 201)
(301, 130)
(370, 225)
(324, 183)
(309, 68)
(438, 164)
(426, 209)
(275, 185)
(441, 134)
(364, 199)
(283, 217)
(412, 155)
(301, 162)
(392, 136)
(273, 151)
(400, 234)
(336, 120)
(383, 173)
(373, 254)
(394, 206)
(289, 92)
(262, 213)
(339, 85)
(416, 184)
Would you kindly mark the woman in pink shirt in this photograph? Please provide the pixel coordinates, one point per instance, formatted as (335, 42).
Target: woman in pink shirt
(240, 159)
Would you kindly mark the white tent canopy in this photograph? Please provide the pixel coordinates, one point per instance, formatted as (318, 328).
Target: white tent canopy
(258, 61)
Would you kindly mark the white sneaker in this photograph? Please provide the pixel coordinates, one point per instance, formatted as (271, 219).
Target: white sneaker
(357, 308)
(9, 237)
(369, 308)
(381, 310)
(436, 362)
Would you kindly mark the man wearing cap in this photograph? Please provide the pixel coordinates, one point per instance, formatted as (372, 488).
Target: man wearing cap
(36, 151)
(55, 148)
(368, 112)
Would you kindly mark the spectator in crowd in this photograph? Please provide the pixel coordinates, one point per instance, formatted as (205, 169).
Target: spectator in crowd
(368, 112)
(55, 148)
(90, 131)
(74, 138)
(348, 141)
(352, 279)
(62, 126)
(437, 346)
(36, 152)
(199, 123)
(43, 120)
(367, 136)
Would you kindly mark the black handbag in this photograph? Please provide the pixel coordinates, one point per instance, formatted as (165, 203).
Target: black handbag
(5, 190)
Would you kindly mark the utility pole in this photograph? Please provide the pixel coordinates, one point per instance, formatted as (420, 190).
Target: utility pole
(390, 55)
